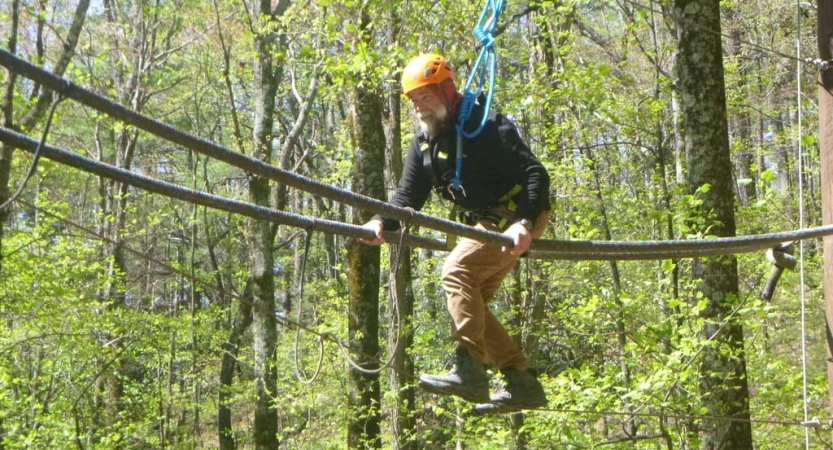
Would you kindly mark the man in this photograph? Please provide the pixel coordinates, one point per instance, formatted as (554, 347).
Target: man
(505, 189)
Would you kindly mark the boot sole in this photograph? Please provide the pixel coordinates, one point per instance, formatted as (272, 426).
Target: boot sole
(440, 388)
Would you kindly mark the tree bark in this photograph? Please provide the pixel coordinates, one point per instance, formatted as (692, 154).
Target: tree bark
(723, 382)
(363, 265)
(242, 321)
(264, 323)
(6, 151)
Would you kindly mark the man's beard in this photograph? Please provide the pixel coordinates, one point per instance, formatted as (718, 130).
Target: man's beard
(433, 123)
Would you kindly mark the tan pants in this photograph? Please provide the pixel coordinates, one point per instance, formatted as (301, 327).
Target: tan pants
(471, 276)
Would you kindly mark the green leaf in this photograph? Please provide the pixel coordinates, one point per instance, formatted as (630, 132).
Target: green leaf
(808, 140)
(768, 175)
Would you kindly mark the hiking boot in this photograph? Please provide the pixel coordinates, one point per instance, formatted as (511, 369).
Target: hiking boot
(522, 390)
(467, 379)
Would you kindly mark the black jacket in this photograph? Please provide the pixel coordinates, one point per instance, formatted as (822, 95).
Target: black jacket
(494, 161)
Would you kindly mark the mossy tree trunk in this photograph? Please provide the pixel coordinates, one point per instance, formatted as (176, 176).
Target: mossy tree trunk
(724, 387)
(363, 264)
(264, 322)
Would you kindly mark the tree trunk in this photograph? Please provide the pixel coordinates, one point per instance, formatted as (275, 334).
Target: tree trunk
(6, 151)
(130, 91)
(242, 320)
(519, 320)
(32, 116)
(402, 374)
(363, 266)
(363, 329)
(264, 323)
(723, 383)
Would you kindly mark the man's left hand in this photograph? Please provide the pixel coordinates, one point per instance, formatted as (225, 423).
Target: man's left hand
(520, 236)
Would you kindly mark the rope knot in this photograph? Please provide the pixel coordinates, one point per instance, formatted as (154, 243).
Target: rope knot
(411, 214)
(484, 38)
(466, 107)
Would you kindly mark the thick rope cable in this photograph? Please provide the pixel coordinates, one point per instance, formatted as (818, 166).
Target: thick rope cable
(200, 198)
(249, 164)
(564, 250)
(543, 249)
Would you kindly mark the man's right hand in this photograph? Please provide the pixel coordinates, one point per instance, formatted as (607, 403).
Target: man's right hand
(376, 226)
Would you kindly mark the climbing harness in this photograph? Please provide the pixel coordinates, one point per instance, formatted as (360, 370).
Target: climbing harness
(435, 162)
(484, 65)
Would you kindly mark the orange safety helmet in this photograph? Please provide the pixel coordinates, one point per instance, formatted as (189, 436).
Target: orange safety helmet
(426, 69)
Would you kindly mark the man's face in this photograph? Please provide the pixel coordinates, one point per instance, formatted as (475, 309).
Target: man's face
(430, 110)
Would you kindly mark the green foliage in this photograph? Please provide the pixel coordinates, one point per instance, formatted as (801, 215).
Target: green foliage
(140, 369)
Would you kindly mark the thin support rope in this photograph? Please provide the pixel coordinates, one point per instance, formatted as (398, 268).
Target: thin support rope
(798, 74)
(33, 167)
(397, 316)
(678, 417)
(299, 373)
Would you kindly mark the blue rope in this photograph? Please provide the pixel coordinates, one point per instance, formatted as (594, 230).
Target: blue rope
(485, 65)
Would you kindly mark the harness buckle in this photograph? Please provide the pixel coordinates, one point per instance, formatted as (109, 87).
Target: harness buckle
(451, 190)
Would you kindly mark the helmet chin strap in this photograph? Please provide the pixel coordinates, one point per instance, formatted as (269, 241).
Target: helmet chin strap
(440, 92)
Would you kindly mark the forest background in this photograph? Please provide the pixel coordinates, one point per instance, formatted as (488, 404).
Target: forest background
(131, 320)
